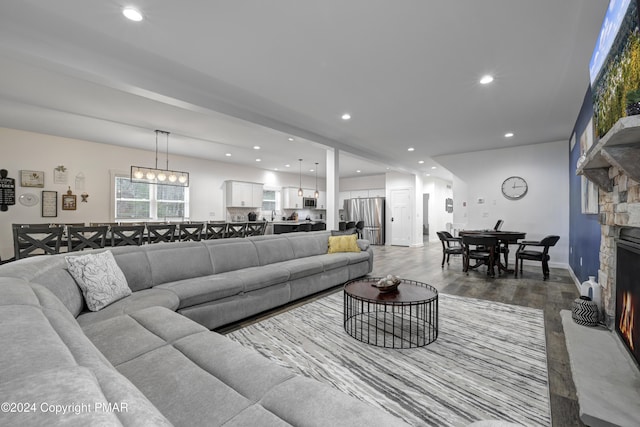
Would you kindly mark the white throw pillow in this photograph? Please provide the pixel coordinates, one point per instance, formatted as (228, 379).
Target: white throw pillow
(101, 280)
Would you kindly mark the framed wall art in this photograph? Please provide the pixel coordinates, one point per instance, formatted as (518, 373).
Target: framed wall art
(49, 204)
(68, 202)
(32, 178)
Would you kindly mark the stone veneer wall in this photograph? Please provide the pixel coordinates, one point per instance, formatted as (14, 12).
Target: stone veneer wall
(618, 208)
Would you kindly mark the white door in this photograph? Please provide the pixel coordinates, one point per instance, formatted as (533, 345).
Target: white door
(400, 218)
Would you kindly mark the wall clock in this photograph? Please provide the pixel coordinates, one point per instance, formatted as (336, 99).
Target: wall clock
(514, 188)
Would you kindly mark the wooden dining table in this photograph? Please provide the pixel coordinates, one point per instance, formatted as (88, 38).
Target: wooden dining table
(505, 238)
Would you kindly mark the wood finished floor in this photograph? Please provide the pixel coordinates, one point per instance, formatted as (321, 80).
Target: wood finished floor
(551, 296)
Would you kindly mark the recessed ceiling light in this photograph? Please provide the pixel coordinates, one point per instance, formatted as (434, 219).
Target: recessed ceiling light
(287, 166)
(410, 149)
(508, 134)
(275, 169)
(358, 171)
(346, 116)
(227, 154)
(434, 167)
(311, 170)
(427, 174)
(421, 161)
(290, 139)
(258, 160)
(388, 168)
(256, 147)
(132, 14)
(486, 79)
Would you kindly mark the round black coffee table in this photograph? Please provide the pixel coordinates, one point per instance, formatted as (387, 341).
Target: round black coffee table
(405, 318)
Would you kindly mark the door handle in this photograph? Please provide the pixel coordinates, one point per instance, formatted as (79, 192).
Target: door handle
(391, 219)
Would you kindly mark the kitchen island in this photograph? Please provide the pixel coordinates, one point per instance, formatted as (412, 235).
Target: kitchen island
(281, 227)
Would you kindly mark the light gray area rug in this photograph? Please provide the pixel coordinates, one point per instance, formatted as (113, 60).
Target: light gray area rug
(489, 361)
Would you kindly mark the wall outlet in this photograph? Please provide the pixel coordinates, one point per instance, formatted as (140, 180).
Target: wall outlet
(485, 214)
(212, 214)
(480, 200)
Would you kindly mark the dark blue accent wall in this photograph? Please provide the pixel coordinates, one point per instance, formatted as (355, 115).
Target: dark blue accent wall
(584, 230)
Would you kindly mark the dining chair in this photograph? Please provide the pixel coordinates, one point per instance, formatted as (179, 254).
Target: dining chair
(498, 225)
(127, 235)
(256, 228)
(191, 231)
(450, 245)
(360, 227)
(480, 248)
(36, 240)
(236, 229)
(215, 230)
(79, 238)
(536, 255)
(157, 233)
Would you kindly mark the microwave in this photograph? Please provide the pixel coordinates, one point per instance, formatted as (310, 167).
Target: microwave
(309, 202)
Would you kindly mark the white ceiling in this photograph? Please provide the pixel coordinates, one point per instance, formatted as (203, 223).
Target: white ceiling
(223, 76)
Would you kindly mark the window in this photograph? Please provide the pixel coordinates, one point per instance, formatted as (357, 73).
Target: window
(269, 200)
(142, 201)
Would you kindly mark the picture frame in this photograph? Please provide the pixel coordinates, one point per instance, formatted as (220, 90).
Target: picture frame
(29, 178)
(69, 202)
(49, 204)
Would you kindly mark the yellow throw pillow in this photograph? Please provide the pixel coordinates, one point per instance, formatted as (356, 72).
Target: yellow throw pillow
(343, 244)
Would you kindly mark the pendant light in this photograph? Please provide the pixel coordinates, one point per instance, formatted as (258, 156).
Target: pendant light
(300, 188)
(158, 175)
(316, 194)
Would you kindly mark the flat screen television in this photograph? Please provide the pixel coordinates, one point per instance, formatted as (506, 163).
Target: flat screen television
(614, 68)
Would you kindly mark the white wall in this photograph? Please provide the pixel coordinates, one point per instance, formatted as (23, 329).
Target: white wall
(369, 182)
(543, 211)
(33, 151)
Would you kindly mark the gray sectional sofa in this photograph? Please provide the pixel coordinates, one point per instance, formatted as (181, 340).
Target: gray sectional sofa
(150, 358)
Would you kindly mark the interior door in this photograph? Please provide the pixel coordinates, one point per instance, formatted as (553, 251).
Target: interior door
(400, 218)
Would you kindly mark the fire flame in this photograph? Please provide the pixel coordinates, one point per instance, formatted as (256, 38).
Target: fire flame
(626, 319)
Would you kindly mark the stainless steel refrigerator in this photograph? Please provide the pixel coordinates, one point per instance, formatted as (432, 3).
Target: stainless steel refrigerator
(371, 211)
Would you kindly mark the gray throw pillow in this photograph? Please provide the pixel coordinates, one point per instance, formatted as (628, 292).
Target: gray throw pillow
(100, 278)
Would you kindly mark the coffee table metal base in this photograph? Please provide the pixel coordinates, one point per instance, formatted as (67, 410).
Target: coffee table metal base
(392, 322)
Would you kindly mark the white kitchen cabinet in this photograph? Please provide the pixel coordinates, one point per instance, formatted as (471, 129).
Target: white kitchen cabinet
(241, 194)
(290, 198)
(322, 200)
(377, 192)
(359, 194)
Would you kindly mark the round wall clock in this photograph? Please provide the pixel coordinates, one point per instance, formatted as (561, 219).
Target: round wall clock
(28, 199)
(514, 188)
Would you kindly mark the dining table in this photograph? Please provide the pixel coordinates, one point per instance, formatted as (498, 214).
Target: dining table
(505, 238)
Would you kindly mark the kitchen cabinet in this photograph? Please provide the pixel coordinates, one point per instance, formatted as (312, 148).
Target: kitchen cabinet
(243, 194)
(322, 200)
(377, 192)
(359, 194)
(290, 198)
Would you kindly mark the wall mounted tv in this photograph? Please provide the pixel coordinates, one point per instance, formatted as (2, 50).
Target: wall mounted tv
(615, 66)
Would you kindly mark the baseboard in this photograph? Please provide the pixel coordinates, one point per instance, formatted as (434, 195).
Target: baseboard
(576, 281)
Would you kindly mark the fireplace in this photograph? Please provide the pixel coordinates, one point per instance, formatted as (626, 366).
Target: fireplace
(627, 319)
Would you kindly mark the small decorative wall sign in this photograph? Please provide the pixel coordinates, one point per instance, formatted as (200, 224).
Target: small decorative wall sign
(7, 191)
(84, 196)
(49, 204)
(32, 178)
(60, 175)
(80, 182)
(69, 201)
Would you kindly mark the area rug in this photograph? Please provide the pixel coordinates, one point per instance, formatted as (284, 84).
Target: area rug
(488, 362)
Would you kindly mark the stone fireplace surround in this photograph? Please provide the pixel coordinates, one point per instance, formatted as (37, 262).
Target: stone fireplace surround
(619, 208)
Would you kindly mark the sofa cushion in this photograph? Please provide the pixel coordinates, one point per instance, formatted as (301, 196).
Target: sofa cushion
(204, 289)
(101, 280)
(343, 244)
(356, 257)
(332, 261)
(253, 278)
(272, 249)
(171, 262)
(303, 267)
(75, 389)
(135, 265)
(306, 244)
(231, 254)
(155, 297)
